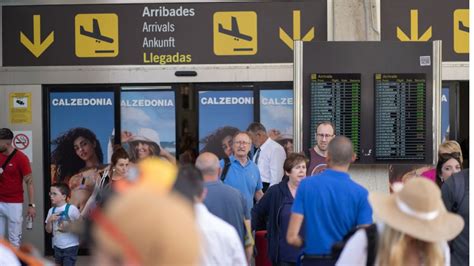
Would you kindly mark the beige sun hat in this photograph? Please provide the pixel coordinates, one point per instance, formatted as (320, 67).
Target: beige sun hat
(146, 134)
(148, 228)
(418, 211)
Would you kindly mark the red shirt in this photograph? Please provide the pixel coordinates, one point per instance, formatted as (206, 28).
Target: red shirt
(317, 163)
(11, 181)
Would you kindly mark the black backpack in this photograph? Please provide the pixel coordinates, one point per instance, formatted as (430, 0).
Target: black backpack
(227, 164)
(372, 242)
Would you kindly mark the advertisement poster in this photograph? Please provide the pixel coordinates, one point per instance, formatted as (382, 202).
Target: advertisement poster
(148, 124)
(221, 115)
(276, 114)
(444, 115)
(81, 125)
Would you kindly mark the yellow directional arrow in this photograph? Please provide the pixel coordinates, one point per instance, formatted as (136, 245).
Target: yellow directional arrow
(37, 47)
(413, 30)
(296, 31)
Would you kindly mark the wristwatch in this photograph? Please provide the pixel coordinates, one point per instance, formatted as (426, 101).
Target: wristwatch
(32, 205)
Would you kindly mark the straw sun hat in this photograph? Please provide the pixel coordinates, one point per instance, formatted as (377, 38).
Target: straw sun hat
(147, 228)
(417, 210)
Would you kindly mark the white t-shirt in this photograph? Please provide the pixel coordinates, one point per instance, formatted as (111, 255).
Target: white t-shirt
(355, 251)
(221, 244)
(270, 162)
(7, 257)
(64, 239)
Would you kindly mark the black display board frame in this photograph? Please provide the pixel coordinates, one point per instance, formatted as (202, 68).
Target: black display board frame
(369, 58)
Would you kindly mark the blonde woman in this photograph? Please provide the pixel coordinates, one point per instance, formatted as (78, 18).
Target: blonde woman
(450, 146)
(415, 228)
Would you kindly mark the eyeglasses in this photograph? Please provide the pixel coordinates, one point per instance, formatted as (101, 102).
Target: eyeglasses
(241, 143)
(324, 135)
(447, 156)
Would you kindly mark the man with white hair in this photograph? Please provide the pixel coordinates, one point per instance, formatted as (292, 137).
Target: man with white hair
(242, 173)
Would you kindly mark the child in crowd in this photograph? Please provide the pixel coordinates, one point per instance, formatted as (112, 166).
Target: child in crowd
(65, 244)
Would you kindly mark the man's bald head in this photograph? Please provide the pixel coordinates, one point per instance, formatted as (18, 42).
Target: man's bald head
(340, 151)
(208, 164)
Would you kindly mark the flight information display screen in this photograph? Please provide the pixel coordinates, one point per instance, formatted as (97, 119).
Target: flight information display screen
(400, 118)
(336, 98)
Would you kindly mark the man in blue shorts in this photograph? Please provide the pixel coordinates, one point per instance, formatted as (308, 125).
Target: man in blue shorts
(330, 204)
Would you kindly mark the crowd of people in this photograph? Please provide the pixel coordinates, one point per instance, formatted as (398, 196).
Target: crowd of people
(138, 210)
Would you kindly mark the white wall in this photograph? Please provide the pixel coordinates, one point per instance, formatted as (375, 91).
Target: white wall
(35, 236)
(356, 20)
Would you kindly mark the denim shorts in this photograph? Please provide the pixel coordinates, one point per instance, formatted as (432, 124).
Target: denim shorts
(66, 256)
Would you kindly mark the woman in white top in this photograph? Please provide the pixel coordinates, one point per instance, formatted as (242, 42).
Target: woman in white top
(415, 228)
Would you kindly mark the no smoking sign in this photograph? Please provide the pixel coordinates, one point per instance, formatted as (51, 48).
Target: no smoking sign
(21, 141)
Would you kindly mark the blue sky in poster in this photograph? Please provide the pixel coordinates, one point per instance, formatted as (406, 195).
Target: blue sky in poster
(155, 110)
(92, 110)
(224, 108)
(276, 110)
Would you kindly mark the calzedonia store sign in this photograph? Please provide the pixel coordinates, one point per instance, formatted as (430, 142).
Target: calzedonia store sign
(163, 34)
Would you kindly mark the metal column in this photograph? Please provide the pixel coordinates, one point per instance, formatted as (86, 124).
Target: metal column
(298, 96)
(437, 66)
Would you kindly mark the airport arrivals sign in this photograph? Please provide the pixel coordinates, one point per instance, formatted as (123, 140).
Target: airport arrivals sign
(426, 21)
(159, 33)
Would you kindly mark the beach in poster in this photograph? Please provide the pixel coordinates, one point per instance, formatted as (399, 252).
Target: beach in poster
(276, 114)
(150, 115)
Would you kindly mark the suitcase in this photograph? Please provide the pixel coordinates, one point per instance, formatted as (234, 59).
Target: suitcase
(261, 258)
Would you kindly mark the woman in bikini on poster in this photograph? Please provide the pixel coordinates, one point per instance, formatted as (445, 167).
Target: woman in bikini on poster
(77, 161)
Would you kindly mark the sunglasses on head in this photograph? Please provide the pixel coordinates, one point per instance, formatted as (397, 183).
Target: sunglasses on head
(445, 156)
